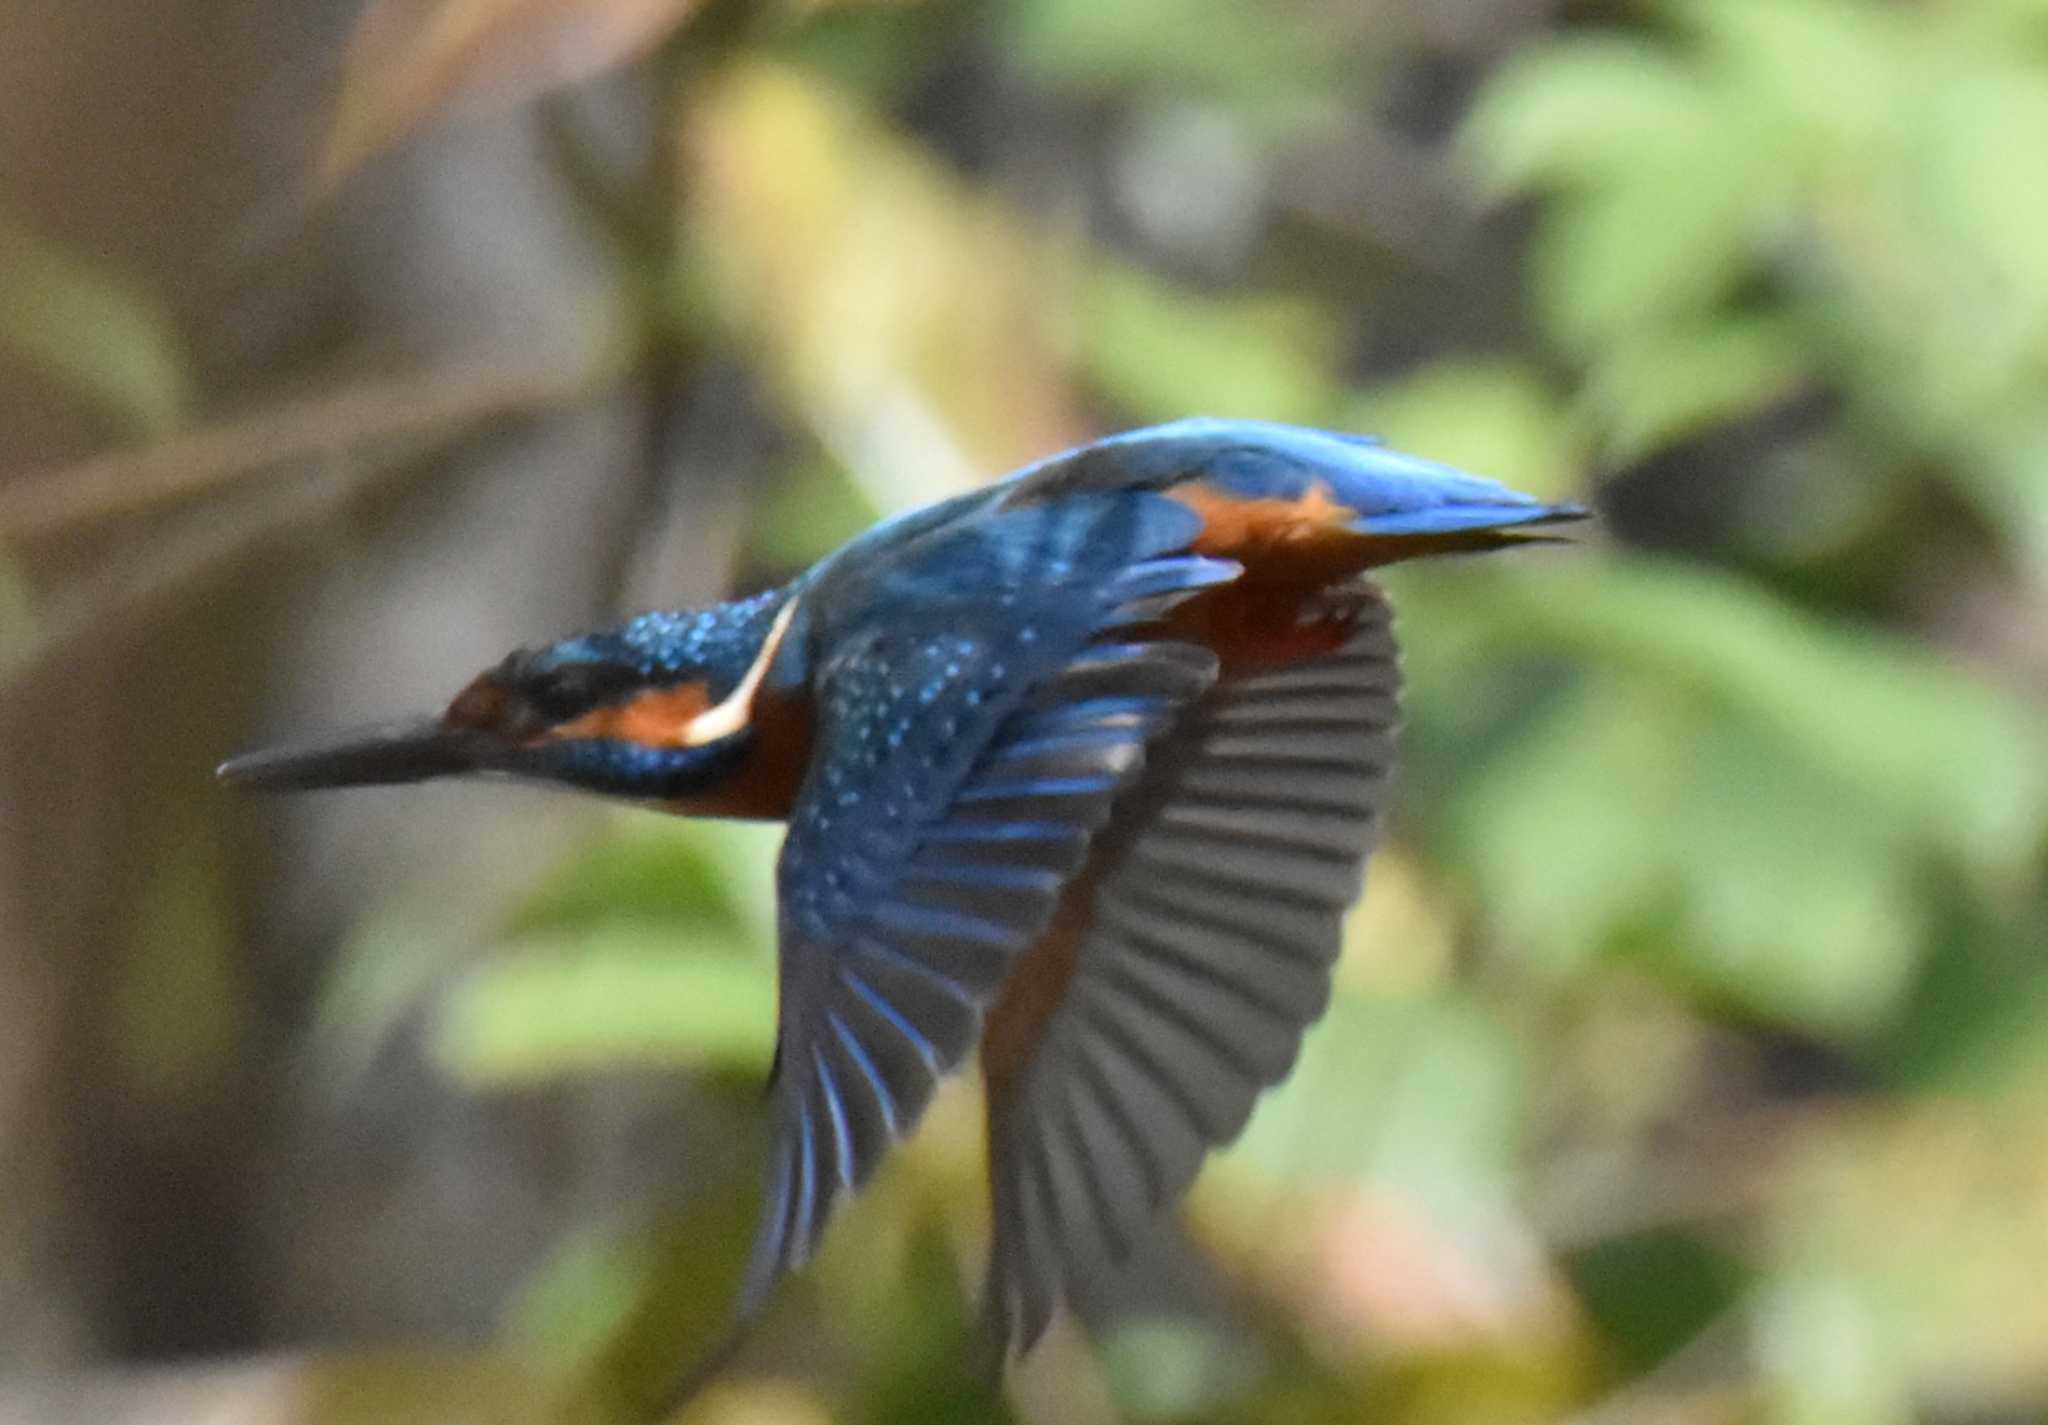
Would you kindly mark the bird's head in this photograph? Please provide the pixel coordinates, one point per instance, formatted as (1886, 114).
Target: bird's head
(662, 709)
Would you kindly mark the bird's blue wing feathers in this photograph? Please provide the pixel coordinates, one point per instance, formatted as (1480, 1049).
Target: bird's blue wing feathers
(974, 725)
(1393, 493)
(1215, 902)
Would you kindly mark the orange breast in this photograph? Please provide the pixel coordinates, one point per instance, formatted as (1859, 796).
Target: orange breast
(1252, 626)
(764, 787)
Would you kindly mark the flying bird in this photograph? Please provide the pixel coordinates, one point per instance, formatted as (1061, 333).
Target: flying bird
(1081, 767)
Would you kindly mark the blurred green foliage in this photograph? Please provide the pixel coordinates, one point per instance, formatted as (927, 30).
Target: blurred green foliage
(1758, 194)
(1687, 1058)
(94, 330)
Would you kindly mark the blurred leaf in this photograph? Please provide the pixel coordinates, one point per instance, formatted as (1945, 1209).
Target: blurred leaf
(1913, 1237)
(810, 512)
(1590, 108)
(1271, 64)
(1954, 318)
(662, 1302)
(903, 314)
(655, 946)
(1162, 352)
(392, 1386)
(17, 614)
(1666, 185)
(1484, 416)
(419, 1387)
(1485, 1387)
(1653, 1292)
(1664, 385)
(93, 332)
(1965, 765)
(933, 1366)
(744, 855)
(1979, 1013)
(668, 874)
(410, 59)
(1799, 902)
(1402, 936)
(1666, 246)
(178, 1010)
(2007, 484)
(582, 1297)
(1429, 1090)
(2006, 21)
(1565, 863)
(389, 962)
(605, 998)
(1751, 804)
(1825, 1358)
(1169, 1370)
(1723, 217)
(1982, 211)
(1936, 298)
(1760, 55)
(756, 1402)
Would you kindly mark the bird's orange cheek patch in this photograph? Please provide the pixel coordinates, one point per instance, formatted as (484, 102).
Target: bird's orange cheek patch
(1301, 540)
(659, 717)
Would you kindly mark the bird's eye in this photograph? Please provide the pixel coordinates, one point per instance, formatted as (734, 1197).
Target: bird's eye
(524, 696)
(573, 689)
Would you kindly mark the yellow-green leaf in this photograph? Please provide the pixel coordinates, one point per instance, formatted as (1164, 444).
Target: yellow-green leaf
(92, 330)
(596, 1002)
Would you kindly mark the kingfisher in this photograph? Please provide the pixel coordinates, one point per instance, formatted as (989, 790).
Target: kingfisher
(1080, 768)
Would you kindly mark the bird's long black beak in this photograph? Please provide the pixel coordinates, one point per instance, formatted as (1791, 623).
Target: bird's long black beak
(1544, 528)
(383, 755)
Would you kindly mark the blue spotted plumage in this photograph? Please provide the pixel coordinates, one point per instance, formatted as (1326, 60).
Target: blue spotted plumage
(717, 644)
(1080, 770)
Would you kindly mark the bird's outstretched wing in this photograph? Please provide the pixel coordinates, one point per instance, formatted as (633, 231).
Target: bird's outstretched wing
(1190, 955)
(975, 719)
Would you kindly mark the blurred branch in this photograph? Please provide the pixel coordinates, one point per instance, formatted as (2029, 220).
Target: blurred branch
(1700, 1376)
(391, 1386)
(332, 427)
(602, 196)
(1392, 193)
(410, 60)
(169, 564)
(128, 482)
(1696, 1173)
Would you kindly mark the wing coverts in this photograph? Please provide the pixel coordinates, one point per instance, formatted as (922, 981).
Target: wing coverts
(972, 739)
(1212, 913)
